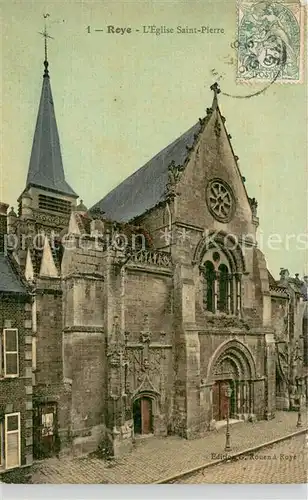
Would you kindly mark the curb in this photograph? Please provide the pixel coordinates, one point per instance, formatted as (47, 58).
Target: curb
(230, 457)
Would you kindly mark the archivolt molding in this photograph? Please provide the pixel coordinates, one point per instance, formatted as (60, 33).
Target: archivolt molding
(240, 355)
(222, 242)
(146, 388)
(148, 391)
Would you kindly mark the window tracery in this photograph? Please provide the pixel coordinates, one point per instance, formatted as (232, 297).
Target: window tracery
(221, 285)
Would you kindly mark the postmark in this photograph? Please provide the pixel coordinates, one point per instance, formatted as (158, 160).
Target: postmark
(270, 45)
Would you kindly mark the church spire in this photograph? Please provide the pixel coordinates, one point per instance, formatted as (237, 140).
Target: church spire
(46, 167)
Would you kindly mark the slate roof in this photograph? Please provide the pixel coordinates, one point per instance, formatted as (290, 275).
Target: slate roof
(46, 167)
(146, 187)
(9, 279)
(271, 279)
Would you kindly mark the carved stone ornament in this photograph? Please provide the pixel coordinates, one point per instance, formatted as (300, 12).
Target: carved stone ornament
(145, 334)
(253, 205)
(114, 357)
(220, 200)
(146, 386)
(217, 128)
(53, 220)
(153, 258)
(174, 175)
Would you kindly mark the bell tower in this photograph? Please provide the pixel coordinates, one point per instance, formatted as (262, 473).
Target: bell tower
(47, 200)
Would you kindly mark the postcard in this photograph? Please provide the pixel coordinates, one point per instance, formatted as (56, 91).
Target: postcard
(153, 245)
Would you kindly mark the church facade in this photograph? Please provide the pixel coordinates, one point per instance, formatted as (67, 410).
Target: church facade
(147, 307)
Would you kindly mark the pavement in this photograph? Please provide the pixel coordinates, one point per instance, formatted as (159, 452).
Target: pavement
(284, 462)
(155, 459)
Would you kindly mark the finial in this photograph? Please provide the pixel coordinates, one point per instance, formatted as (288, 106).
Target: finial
(45, 35)
(216, 90)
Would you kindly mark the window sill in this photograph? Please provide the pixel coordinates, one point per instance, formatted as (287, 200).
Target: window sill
(12, 377)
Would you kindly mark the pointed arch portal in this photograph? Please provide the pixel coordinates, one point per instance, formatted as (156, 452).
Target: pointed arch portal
(232, 364)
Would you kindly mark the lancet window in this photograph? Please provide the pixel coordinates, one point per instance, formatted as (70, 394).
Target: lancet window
(221, 284)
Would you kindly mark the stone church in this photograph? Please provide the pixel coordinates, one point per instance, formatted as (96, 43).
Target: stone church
(148, 305)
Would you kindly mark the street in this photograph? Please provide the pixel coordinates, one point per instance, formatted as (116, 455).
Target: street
(160, 459)
(284, 462)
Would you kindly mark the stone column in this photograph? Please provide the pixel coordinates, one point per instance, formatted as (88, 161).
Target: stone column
(238, 293)
(270, 370)
(187, 388)
(244, 398)
(216, 290)
(229, 292)
(238, 398)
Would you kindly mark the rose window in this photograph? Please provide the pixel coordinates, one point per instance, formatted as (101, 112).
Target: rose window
(220, 200)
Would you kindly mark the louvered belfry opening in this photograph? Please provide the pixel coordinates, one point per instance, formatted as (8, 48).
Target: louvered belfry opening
(54, 204)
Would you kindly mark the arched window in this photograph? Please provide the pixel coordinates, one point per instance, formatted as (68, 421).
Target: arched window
(209, 291)
(223, 288)
(221, 283)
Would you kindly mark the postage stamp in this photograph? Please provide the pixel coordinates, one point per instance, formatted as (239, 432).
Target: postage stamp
(270, 43)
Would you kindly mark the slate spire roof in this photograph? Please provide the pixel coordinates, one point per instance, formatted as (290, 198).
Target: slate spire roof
(46, 167)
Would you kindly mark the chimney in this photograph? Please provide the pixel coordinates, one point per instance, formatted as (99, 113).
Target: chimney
(3, 224)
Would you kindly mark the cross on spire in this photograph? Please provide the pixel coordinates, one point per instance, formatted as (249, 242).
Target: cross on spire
(216, 89)
(45, 35)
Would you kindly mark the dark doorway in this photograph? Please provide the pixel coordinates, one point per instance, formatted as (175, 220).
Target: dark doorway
(143, 418)
(45, 441)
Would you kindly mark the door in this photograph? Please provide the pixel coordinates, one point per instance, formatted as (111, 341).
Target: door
(137, 416)
(45, 430)
(220, 400)
(142, 412)
(146, 415)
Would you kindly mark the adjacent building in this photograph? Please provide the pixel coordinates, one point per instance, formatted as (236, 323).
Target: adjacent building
(16, 425)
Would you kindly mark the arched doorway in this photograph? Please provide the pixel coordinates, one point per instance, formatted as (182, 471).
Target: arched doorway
(143, 415)
(232, 366)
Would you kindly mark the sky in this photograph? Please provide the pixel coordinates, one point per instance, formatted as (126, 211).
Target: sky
(121, 98)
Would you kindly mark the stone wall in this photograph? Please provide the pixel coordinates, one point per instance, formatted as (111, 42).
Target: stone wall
(84, 346)
(151, 294)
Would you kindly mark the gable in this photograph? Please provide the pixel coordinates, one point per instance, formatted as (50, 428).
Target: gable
(212, 160)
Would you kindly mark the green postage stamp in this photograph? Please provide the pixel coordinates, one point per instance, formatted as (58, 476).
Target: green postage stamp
(270, 41)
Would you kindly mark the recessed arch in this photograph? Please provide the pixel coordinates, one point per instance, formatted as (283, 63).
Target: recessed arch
(225, 243)
(240, 355)
(231, 366)
(147, 393)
